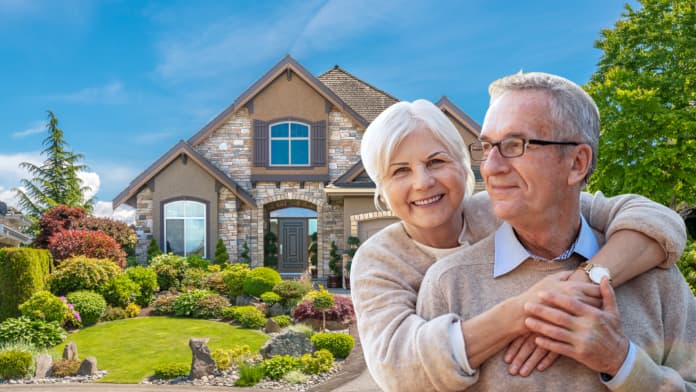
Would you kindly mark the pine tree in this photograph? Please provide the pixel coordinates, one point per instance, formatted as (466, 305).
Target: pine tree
(55, 181)
(244, 256)
(270, 250)
(221, 256)
(153, 250)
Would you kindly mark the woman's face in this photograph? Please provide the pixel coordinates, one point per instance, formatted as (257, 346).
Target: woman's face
(424, 186)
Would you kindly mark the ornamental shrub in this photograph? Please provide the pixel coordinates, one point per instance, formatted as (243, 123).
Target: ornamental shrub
(221, 358)
(82, 273)
(687, 265)
(45, 306)
(132, 310)
(153, 250)
(214, 281)
(283, 320)
(96, 244)
(120, 291)
(291, 292)
(194, 278)
(55, 220)
(146, 278)
(247, 316)
(233, 277)
(342, 311)
(38, 333)
(119, 231)
(169, 269)
(15, 364)
(320, 362)
(210, 306)
(163, 304)
(239, 353)
(270, 297)
(249, 375)
(295, 377)
(339, 344)
(275, 368)
(187, 303)
(198, 261)
(65, 367)
(221, 255)
(170, 371)
(89, 304)
(113, 313)
(23, 272)
(260, 280)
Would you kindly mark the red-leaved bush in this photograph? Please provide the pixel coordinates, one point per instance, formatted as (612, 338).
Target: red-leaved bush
(94, 244)
(342, 311)
(55, 220)
(119, 231)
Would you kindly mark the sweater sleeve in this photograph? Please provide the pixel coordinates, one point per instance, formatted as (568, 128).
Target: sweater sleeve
(399, 346)
(637, 213)
(669, 365)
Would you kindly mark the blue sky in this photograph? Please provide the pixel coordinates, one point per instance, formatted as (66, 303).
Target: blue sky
(128, 79)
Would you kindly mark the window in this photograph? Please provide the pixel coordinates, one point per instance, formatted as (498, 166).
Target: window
(184, 228)
(289, 144)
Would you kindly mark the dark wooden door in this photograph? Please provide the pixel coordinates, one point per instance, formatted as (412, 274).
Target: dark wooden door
(292, 251)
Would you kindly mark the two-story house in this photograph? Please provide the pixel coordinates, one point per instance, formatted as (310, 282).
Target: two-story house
(283, 157)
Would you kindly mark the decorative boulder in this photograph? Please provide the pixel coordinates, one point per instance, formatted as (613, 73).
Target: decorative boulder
(70, 351)
(272, 326)
(88, 367)
(202, 363)
(43, 366)
(287, 343)
(277, 310)
(243, 300)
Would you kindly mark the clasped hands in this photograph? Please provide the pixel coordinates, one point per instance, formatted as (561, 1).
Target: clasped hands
(566, 315)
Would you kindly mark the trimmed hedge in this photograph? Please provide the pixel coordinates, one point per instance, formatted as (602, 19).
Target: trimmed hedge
(260, 280)
(338, 344)
(23, 272)
(15, 364)
(89, 304)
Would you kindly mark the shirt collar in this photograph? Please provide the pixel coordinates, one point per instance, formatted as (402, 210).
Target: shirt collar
(510, 253)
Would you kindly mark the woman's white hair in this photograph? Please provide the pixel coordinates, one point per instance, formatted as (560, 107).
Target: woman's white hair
(392, 126)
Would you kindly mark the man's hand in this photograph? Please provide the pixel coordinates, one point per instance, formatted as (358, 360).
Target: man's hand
(569, 327)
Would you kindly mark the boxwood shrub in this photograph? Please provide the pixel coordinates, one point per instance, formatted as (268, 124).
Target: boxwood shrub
(169, 371)
(233, 277)
(260, 280)
(89, 304)
(23, 272)
(120, 291)
(247, 316)
(338, 344)
(146, 278)
(15, 364)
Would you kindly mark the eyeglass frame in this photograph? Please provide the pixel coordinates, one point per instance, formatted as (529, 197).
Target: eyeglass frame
(525, 143)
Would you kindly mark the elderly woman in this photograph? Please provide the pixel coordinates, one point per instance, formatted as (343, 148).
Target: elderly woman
(421, 168)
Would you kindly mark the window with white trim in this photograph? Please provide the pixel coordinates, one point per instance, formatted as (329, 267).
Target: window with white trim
(289, 144)
(184, 228)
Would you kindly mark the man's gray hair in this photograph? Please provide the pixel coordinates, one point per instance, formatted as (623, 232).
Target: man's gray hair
(573, 112)
(391, 127)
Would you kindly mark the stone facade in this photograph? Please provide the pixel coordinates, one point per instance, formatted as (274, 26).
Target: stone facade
(143, 221)
(344, 144)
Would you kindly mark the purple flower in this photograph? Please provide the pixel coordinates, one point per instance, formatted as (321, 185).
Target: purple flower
(70, 306)
(62, 298)
(77, 315)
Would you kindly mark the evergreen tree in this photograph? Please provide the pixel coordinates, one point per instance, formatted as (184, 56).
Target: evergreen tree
(153, 250)
(270, 250)
(55, 181)
(244, 256)
(221, 256)
(335, 260)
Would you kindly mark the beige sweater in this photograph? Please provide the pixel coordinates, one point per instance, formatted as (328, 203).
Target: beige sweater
(658, 314)
(388, 269)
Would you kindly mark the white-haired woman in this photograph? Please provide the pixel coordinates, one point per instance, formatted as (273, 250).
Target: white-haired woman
(421, 169)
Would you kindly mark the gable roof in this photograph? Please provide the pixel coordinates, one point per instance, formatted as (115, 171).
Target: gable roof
(182, 148)
(354, 177)
(285, 65)
(447, 106)
(364, 98)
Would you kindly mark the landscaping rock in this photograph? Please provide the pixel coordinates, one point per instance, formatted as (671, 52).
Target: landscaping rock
(272, 326)
(287, 343)
(70, 351)
(243, 300)
(43, 366)
(88, 367)
(202, 363)
(276, 310)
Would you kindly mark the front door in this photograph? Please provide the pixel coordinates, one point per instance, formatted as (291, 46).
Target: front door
(292, 245)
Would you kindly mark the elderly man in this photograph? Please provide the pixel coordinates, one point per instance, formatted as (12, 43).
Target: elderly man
(538, 146)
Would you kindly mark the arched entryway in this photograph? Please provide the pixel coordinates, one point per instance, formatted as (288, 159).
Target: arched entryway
(293, 223)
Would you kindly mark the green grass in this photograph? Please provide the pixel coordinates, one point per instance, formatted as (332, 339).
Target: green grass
(130, 349)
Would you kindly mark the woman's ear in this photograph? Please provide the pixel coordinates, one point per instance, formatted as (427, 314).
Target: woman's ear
(582, 159)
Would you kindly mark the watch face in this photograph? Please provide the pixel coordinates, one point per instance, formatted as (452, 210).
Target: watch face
(596, 274)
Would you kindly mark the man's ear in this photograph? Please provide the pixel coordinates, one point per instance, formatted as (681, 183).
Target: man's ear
(580, 165)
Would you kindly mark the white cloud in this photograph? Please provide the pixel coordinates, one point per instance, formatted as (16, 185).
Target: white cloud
(91, 180)
(11, 172)
(123, 213)
(9, 196)
(36, 127)
(110, 93)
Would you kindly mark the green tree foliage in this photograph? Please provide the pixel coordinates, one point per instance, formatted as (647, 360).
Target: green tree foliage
(270, 250)
(55, 181)
(645, 88)
(153, 250)
(221, 255)
(244, 256)
(335, 260)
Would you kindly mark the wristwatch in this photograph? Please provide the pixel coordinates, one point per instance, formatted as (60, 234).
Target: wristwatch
(595, 272)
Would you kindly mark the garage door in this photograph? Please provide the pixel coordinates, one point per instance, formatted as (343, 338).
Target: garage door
(369, 227)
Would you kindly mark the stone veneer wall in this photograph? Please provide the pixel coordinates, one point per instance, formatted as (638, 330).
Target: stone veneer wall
(344, 144)
(143, 223)
(227, 221)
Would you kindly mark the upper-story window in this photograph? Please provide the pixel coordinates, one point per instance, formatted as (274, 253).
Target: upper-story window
(184, 228)
(289, 144)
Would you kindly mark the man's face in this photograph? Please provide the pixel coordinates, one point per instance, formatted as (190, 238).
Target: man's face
(524, 187)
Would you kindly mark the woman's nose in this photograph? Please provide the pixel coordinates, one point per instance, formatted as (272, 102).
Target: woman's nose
(423, 178)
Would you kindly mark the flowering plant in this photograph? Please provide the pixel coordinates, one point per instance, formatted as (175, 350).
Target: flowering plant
(74, 320)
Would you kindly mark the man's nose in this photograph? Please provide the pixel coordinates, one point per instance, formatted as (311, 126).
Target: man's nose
(494, 164)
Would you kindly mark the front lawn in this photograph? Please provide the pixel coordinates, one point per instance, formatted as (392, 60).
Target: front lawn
(130, 349)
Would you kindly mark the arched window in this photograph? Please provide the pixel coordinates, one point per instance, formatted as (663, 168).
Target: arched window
(289, 144)
(184, 228)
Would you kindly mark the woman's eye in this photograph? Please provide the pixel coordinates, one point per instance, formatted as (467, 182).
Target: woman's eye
(400, 170)
(436, 162)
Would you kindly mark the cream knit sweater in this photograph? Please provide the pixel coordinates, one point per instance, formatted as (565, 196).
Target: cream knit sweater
(388, 269)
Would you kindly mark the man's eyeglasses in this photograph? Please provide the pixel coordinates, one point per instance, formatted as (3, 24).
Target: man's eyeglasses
(510, 147)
